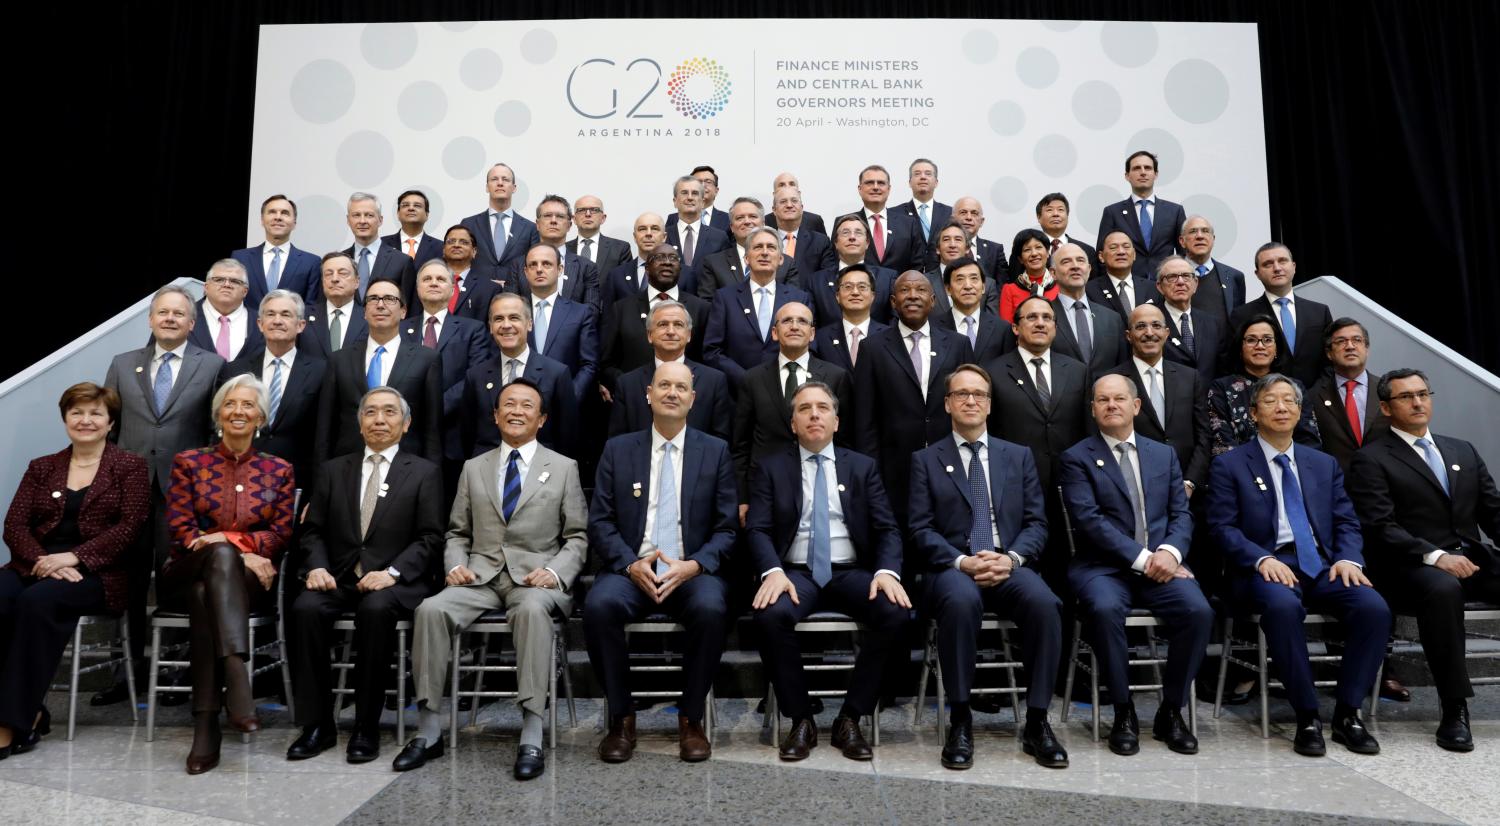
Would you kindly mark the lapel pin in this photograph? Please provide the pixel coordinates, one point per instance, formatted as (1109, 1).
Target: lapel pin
(140, 369)
(384, 486)
(1020, 383)
(830, 283)
(312, 318)
(1124, 212)
(489, 385)
(835, 342)
(643, 315)
(1456, 468)
(1107, 294)
(411, 331)
(239, 488)
(635, 489)
(1327, 403)
(56, 494)
(747, 311)
(1099, 462)
(542, 480)
(1176, 342)
(949, 468)
(381, 494)
(841, 488)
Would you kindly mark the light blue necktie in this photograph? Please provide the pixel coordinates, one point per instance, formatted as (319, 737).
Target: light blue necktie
(372, 376)
(274, 276)
(501, 236)
(275, 390)
(926, 220)
(1434, 463)
(163, 386)
(972, 332)
(664, 532)
(821, 560)
(1146, 222)
(1288, 326)
(541, 326)
(364, 271)
(763, 312)
(1296, 515)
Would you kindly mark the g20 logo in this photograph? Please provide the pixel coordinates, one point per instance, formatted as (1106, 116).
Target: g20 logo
(641, 78)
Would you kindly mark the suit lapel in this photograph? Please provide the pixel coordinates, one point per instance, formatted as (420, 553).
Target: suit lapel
(191, 361)
(395, 481)
(1022, 377)
(959, 475)
(354, 491)
(541, 463)
(692, 459)
(1105, 461)
(845, 485)
(1263, 480)
(144, 376)
(1408, 454)
(747, 308)
(402, 365)
(895, 344)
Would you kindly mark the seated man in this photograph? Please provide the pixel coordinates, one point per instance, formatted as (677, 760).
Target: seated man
(1296, 552)
(827, 541)
(1122, 508)
(662, 523)
(372, 560)
(978, 535)
(516, 540)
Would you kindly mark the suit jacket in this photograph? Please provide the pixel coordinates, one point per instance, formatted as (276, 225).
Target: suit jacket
(732, 341)
(609, 252)
(776, 510)
(823, 285)
(707, 509)
(581, 284)
(548, 529)
(1243, 506)
(941, 215)
(301, 273)
(477, 288)
(523, 236)
(814, 250)
(1308, 358)
(906, 244)
(110, 518)
(317, 340)
(941, 514)
(573, 340)
(763, 417)
(713, 405)
(416, 373)
(462, 343)
(990, 339)
(1405, 512)
(722, 269)
(427, 249)
(482, 385)
(186, 421)
(829, 345)
(1167, 219)
(1221, 291)
(708, 241)
(942, 304)
(629, 279)
(1106, 335)
(388, 265)
(1099, 508)
(1018, 415)
(1326, 399)
(1209, 341)
(991, 259)
(1102, 290)
(624, 346)
(406, 530)
(203, 336)
(814, 222)
(293, 430)
(1186, 431)
(717, 219)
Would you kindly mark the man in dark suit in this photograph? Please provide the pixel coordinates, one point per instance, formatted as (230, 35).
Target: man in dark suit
(808, 249)
(850, 242)
(896, 239)
(577, 279)
(1122, 288)
(474, 282)
(1052, 216)
(337, 317)
(626, 334)
(276, 264)
(689, 228)
(1423, 500)
(1153, 224)
(563, 330)
(978, 519)
(1085, 332)
(373, 260)
(931, 216)
(1130, 519)
(1302, 320)
(373, 559)
(787, 180)
(381, 360)
(629, 278)
(739, 321)
(1174, 406)
(839, 342)
(1221, 288)
(669, 330)
(293, 378)
(603, 252)
(968, 214)
(412, 239)
(662, 525)
(226, 323)
(952, 244)
(711, 216)
(823, 538)
(728, 267)
(1294, 547)
(1342, 400)
(504, 236)
(510, 329)
(898, 387)
(1195, 337)
(965, 285)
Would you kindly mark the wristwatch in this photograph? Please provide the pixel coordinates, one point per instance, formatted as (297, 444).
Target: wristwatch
(1015, 558)
(394, 574)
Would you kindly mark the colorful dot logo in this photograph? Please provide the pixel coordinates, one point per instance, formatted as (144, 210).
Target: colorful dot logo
(687, 70)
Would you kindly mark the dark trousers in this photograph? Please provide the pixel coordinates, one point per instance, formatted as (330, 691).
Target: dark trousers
(37, 618)
(1436, 598)
(213, 587)
(1360, 610)
(848, 592)
(150, 551)
(958, 605)
(1103, 602)
(375, 616)
(698, 604)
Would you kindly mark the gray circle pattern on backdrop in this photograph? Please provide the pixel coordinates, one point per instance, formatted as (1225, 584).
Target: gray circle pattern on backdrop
(1008, 194)
(1055, 156)
(321, 224)
(1131, 45)
(538, 46)
(512, 118)
(980, 46)
(1096, 104)
(1221, 215)
(365, 159)
(1165, 146)
(388, 45)
(1037, 67)
(1007, 117)
(322, 91)
(458, 25)
(463, 158)
(1060, 25)
(422, 105)
(1196, 91)
(1089, 205)
(521, 197)
(480, 69)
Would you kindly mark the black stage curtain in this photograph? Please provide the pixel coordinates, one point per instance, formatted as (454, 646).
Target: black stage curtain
(135, 119)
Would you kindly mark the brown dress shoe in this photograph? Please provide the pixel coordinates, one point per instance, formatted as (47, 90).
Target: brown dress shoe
(1392, 689)
(692, 743)
(848, 739)
(799, 742)
(619, 744)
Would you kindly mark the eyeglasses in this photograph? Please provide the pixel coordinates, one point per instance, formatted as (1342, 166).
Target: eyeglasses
(969, 395)
(850, 232)
(589, 211)
(797, 321)
(855, 287)
(1176, 276)
(1358, 341)
(1198, 231)
(383, 300)
(221, 280)
(459, 242)
(1419, 396)
(1143, 326)
(1031, 317)
(1260, 341)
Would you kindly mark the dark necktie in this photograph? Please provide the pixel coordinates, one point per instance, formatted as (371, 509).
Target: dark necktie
(1042, 388)
(510, 495)
(791, 381)
(688, 246)
(429, 335)
(981, 538)
(1146, 222)
(1082, 332)
(1296, 515)
(1187, 334)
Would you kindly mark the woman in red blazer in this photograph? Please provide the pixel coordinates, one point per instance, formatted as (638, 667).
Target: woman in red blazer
(1031, 274)
(72, 520)
(229, 510)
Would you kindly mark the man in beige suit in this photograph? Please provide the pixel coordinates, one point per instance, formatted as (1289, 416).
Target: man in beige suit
(516, 540)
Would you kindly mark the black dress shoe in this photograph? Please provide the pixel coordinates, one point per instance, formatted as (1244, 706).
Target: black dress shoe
(1453, 732)
(1350, 731)
(21, 745)
(1125, 734)
(530, 763)
(800, 740)
(1170, 728)
(958, 752)
(116, 693)
(417, 753)
(849, 740)
(314, 740)
(1309, 739)
(1039, 742)
(363, 747)
(986, 703)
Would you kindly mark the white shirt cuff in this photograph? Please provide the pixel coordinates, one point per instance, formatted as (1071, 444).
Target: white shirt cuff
(455, 567)
(1431, 557)
(770, 571)
(1139, 566)
(1171, 549)
(554, 576)
(888, 571)
(958, 562)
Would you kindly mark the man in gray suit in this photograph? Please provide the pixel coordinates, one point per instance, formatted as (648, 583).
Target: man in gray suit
(165, 390)
(516, 540)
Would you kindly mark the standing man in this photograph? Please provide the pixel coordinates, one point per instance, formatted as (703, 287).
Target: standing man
(1302, 320)
(504, 236)
(990, 254)
(896, 238)
(563, 329)
(1091, 335)
(1122, 288)
(1195, 336)
(838, 342)
(1221, 287)
(729, 266)
(412, 239)
(1174, 410)
(964, 283)
(1153, 224)
(626, 333)
(474, 282)
(1052, 214)
(630, 278)
(590, 244)
(739, 321)
(275, 263)
(510, 329)
(788, 180)
(373, 260)
(577, 279)
(669, 331)
(337, 317)
(952, 243)
(708, 216)
(226, 325)
(851, 241)
(808, 249)
(1342, 400)
(922, 178)
(688, 229)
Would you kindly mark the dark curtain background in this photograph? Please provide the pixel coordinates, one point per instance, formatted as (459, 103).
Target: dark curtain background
(133, 126)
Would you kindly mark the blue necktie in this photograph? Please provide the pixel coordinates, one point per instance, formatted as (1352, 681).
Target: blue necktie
(1288, 326)
(1146, 222)
(163, 386)
(510, 495)
(274, 276)
(1187, 335)
(664, 532)
(1434, 463)
(1202, 270)
(981, 538)
(541, 326)
(500, 235)
(372, 376)
(1296, 515)
(275, 390)
(821, 560)
(364, 271)
(926, 221)
(763, 312)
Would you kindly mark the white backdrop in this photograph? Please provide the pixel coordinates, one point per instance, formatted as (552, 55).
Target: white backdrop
(1009, 109)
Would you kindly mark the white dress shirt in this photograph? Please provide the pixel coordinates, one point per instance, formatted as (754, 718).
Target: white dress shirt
(437, 329)
(239, 326)
(782, 361)
(1070, 318)
(374, 249)
(960, 324)
(510, 226)
(1139, 566)
(520, 357)
(1431, 557)
(345, 318)
(656, 298)
(658, 442)
(176, 362)
(984, 461)
(864, 331)
(841, 548)
(1291, 306)
(1135, 208)
(1046, 357)
(925, 345)
(408, 249)
(588, 252)
(885, 227)
(389, 454)
(386, 360)
(268, 368)
(1161, 378)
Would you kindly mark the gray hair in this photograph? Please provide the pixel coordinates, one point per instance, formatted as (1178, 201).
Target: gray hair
(669, 304)
(228, 264)
(760, 229)
(242, 380)
(405, 408)
(683, 180)
(1192, 267)
(285, 295)
(439, 262)
(1264, 383)
(1135, 392)
(912, 167)
(171, 289)
(365, 196)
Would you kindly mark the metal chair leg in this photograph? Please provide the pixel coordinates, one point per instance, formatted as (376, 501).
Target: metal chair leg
(1151, 642)
(400, 686)
(1072, 667)
(1375, 689)
(551, 698)
(773, 714)
(249, 667)
(1010, 677)
(941, 695)
(1265, 678)
(921, 703)
(567, 677)
(1225, 650)
(458, 634)
(483, 659)
(73, 684)
(135, 713)
(152, 684)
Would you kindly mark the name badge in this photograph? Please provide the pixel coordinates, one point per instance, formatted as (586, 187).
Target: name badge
(1260, 483)
(1456, 468)
(635, 489)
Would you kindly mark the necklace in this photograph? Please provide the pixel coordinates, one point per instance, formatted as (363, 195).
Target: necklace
(77, 463)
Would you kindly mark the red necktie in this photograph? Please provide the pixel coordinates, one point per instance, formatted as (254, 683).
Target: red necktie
(1351, 409)
(663, 297)
(879, 240)
(453, 299)
(429, 336)
(1056, 242)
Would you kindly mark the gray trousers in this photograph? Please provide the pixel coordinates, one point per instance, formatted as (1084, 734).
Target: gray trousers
(529, 611)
